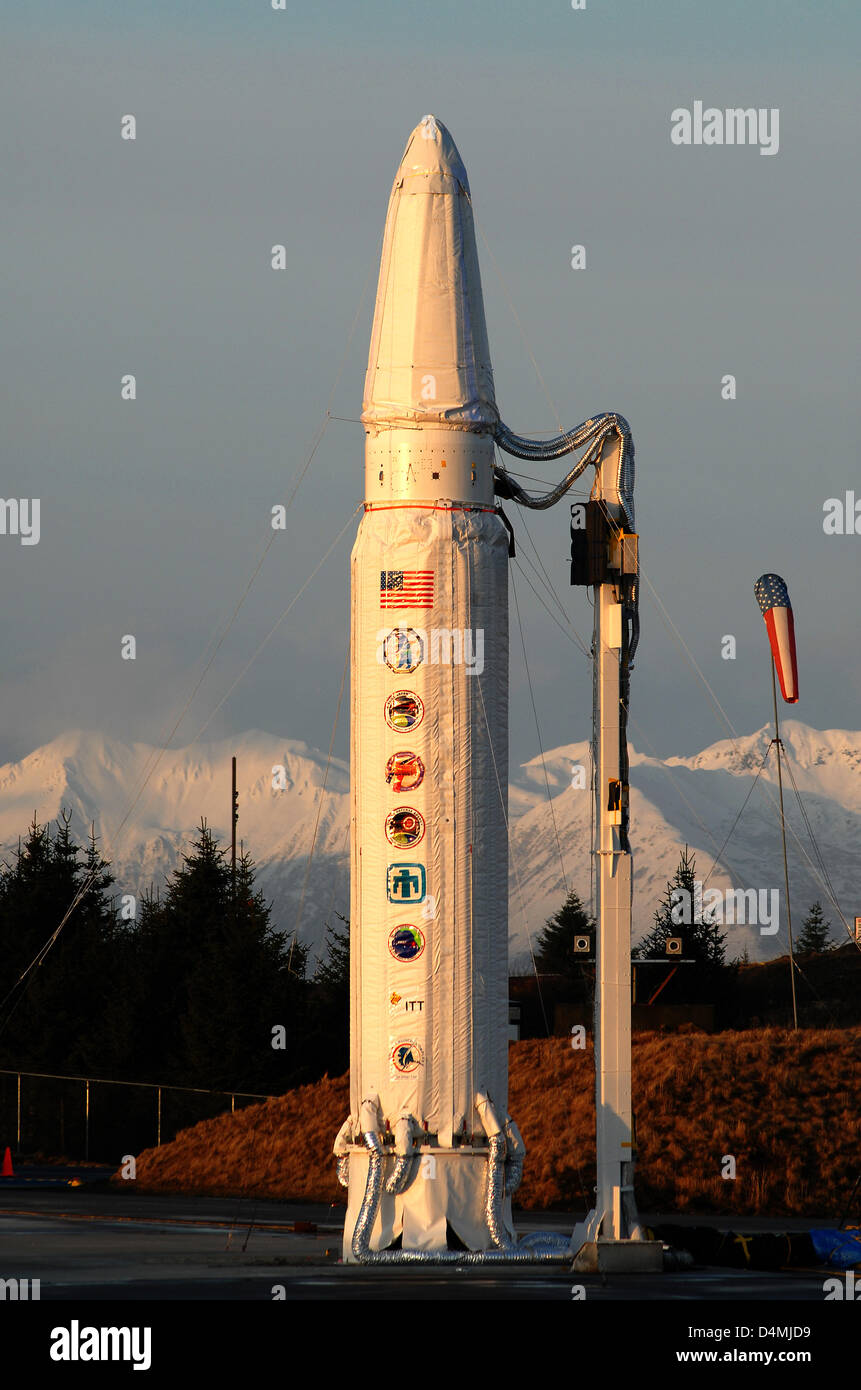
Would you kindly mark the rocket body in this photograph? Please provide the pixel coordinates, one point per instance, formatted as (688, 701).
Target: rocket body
(429, 733)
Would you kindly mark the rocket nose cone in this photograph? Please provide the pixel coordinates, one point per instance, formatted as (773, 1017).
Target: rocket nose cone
(431, 150)
(429, 362)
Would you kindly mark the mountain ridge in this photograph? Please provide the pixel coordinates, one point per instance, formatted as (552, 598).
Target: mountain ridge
(679, 800)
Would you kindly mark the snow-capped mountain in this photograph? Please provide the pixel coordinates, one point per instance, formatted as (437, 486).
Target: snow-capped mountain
(678, 801)
(279, 782)
(695, 801)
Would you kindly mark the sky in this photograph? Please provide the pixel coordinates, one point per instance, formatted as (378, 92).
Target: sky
(257, 127)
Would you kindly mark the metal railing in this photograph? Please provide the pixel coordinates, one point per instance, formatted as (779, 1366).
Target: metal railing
(89, 1082)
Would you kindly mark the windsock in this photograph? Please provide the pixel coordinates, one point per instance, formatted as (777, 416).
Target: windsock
(773, 598)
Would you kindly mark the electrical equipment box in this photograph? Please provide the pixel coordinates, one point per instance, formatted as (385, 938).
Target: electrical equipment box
(624, 556)
(612, 634)
(589, 539)
(617, 799)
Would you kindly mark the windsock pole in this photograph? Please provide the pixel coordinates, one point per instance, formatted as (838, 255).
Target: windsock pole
(772, 596)
(778, 747)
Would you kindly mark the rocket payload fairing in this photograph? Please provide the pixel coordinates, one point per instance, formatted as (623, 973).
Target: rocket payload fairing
(428, 1151)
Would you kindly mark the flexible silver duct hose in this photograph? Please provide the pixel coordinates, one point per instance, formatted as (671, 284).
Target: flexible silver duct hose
(543, 1247)
(371, 1200)
(633, 609)
(402, 1173)
(405, 1164)
(550, 1241)
(509, 1254)
(513, 1175)
(516, 1155)
(495, 1192)
(592, 432)
(341, 1151)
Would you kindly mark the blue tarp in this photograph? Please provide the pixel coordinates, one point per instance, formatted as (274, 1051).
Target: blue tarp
(840, 1249)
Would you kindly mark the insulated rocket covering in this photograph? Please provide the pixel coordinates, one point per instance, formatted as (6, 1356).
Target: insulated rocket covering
(429, 730)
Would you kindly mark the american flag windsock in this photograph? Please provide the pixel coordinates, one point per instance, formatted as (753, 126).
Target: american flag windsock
(773, 598)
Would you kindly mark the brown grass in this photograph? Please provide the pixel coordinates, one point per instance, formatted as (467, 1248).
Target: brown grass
(785, 1105)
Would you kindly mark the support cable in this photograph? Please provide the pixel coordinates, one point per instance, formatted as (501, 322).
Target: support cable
(322, 798)
(513, 856)
(540, 742)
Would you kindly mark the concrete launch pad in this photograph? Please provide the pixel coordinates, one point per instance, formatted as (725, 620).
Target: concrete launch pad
(105, 1247)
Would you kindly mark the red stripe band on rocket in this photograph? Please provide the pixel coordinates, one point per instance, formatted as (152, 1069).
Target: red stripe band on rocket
(773, 598)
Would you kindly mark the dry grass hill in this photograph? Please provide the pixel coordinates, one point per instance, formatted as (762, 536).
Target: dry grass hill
(785, 1105)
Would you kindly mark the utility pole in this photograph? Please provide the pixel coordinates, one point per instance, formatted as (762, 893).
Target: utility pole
(778, 748)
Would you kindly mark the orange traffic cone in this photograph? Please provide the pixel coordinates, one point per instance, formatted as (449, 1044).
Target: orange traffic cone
(7, 1171)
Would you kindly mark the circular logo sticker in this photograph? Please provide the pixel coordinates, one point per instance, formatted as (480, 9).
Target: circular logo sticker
(407, 1057)
(406, 942)
(405, 772)
(403, 649)
(404, 827)
(404, 710)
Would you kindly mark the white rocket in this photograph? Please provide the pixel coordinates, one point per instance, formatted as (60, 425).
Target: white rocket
(429, 1154)
(429, 748)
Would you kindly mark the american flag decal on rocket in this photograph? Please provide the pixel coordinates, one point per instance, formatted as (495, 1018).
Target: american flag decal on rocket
(406, 588)
(773, 598)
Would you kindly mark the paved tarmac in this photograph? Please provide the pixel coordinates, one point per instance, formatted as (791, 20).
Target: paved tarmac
(85, 1243)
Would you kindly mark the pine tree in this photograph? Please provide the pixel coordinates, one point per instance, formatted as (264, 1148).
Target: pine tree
(334, 970)
(173, 933)
(331, 995)
(815, 932)
(240, 990)
(703, 942)
(106, 1039)
(219, 982)
(62, 985)
(555, 953)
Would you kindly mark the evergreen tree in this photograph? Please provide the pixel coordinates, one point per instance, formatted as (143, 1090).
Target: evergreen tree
(815, 932)
(64, 1008)
(241, 994)
(104, 960)
(331, 991)
(171, 935)
(218, 982)
(555, 953)
(334, 971)
(703, 942)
